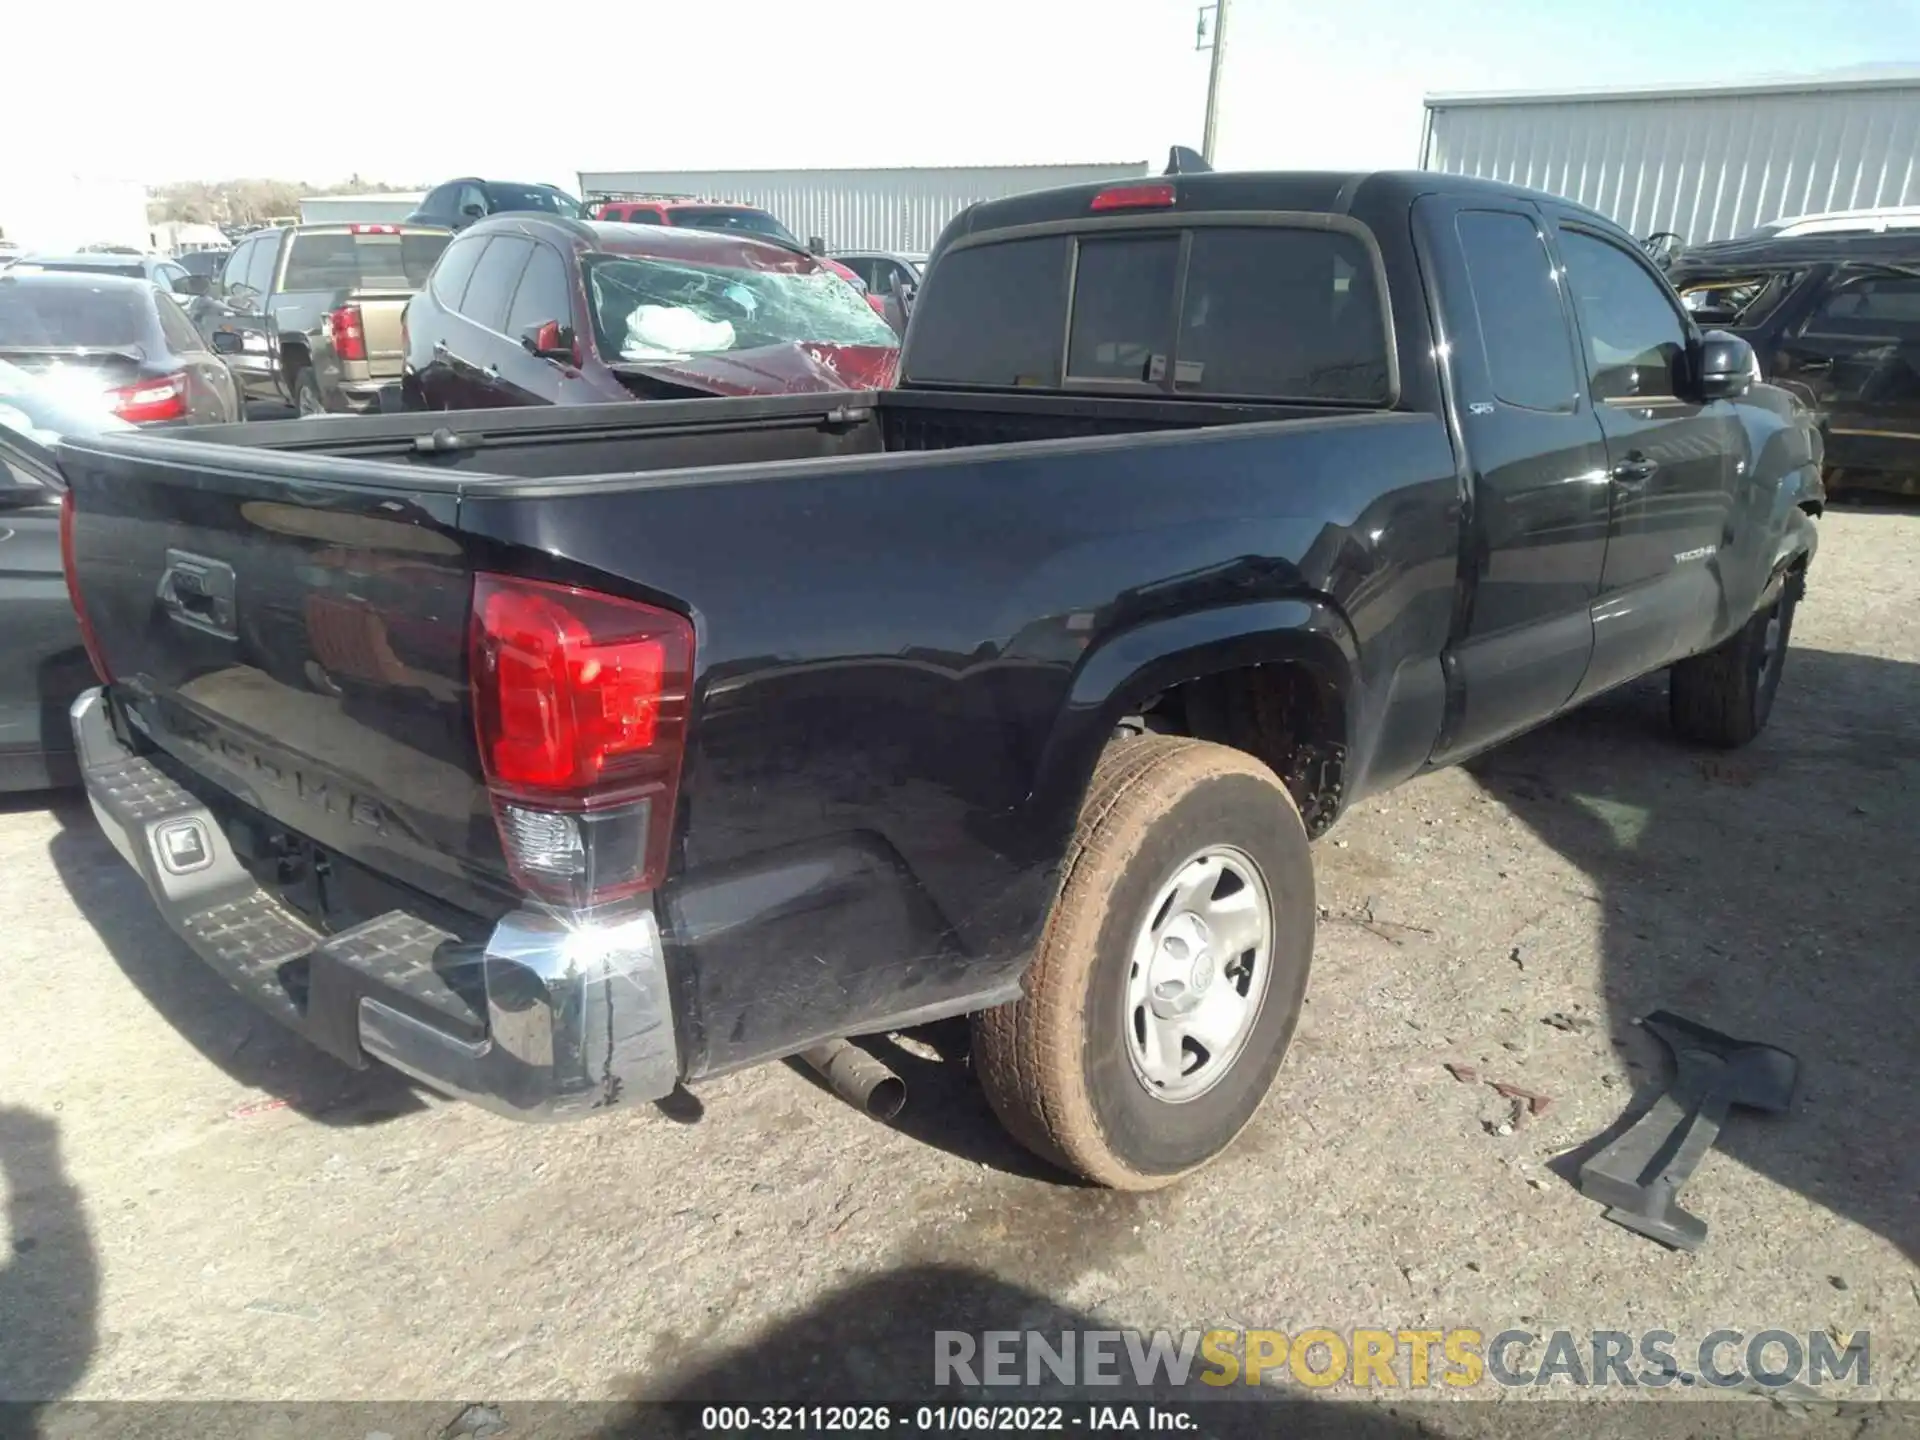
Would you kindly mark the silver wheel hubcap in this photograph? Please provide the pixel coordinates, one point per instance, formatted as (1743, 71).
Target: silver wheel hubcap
(1198, 974)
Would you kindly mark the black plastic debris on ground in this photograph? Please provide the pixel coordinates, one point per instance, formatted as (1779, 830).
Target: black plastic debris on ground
(1639, 1176)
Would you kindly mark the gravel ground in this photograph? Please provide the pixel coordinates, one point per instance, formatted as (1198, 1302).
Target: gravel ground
(200, 1205)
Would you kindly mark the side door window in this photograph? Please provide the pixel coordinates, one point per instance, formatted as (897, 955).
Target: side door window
(233, 275)
(543, 295)
(1635, 340)
(266, 255)
(490, 291)
(169, 276)
(439, 203)
(893, 277)
(455, 269)
(1876, 306)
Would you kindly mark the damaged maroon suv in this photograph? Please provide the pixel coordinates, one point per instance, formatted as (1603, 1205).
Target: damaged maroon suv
(541, 310)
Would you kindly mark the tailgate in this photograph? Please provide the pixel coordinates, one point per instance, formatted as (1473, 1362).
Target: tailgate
(380, 313)
(294, 630)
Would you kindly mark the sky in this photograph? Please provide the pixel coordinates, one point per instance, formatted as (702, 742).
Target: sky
(411, 91)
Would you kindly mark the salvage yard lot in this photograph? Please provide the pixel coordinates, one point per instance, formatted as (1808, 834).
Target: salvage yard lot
(200, 1205)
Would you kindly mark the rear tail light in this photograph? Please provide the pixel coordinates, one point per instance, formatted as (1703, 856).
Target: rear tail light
(87, 637)
(150, 400)
(1134, 197)
(580, 704)
(349, 334)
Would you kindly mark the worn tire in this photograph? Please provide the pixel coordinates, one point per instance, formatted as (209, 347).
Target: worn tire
(1723, 697)
(306, 392)
(1055, 1063)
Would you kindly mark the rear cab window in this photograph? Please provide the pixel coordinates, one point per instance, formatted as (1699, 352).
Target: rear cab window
(734, 218)
(1256, 308)
(366, 260)
(33, 316)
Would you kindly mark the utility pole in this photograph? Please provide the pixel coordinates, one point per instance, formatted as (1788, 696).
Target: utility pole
(1217, 42)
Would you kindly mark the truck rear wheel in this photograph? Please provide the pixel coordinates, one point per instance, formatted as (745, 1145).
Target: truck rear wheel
(1170, 975)
(306, 392)
(1723, 698)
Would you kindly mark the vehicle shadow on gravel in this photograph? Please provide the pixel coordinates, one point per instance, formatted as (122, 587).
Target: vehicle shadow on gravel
(49, 1275)
(875, 1341)
(254, 1049)
(1767, 893)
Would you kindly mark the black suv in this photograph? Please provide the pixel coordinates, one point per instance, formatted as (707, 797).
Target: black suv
(1836, 320)
(458, 203)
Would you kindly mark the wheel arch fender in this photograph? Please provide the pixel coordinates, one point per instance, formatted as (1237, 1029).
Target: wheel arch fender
(1797, 538)
(1126, 671)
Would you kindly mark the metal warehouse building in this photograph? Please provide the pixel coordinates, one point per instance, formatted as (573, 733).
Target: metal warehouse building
(1707, 162)
(858, 209)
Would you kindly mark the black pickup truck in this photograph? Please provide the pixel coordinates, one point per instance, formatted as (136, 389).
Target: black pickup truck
(561, 758)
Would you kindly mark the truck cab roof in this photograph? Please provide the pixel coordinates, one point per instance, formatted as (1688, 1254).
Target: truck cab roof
(1312, 192)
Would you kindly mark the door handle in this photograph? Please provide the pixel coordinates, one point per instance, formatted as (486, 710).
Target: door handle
(493, 372)
(439, 347)
(1634, 471)
(1814, 367)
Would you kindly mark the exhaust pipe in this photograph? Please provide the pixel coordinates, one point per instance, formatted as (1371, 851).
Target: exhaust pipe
(858, 1078)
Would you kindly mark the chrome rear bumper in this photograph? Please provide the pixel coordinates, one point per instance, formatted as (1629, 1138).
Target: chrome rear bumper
(553, 1017)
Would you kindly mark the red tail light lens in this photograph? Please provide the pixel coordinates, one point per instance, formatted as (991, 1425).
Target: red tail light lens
(1134, 197)
(87, 637)
(580, 704)
(163, 399)
(349, 335)
(373, 229)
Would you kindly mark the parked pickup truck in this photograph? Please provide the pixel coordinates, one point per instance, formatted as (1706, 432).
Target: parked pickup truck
(561, 757)
(309, 316)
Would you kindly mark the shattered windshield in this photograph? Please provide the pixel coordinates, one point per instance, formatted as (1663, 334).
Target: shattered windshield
(647, 309)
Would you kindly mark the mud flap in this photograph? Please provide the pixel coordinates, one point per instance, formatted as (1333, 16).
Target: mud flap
(1639, 1176)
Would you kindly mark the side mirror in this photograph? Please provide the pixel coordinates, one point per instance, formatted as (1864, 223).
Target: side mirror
(225, 342)
(1724, 366)
(191, 285)
(550, 341)
(474, 212)
(816, 245)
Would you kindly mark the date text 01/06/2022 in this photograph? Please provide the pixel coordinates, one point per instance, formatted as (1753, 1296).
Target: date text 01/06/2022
(817, 1419)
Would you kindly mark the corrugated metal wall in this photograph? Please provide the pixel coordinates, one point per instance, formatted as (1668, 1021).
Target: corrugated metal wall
(860, 209)
(1704, 165)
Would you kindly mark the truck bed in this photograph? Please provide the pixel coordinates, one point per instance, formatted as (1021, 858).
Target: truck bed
(890, 641)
